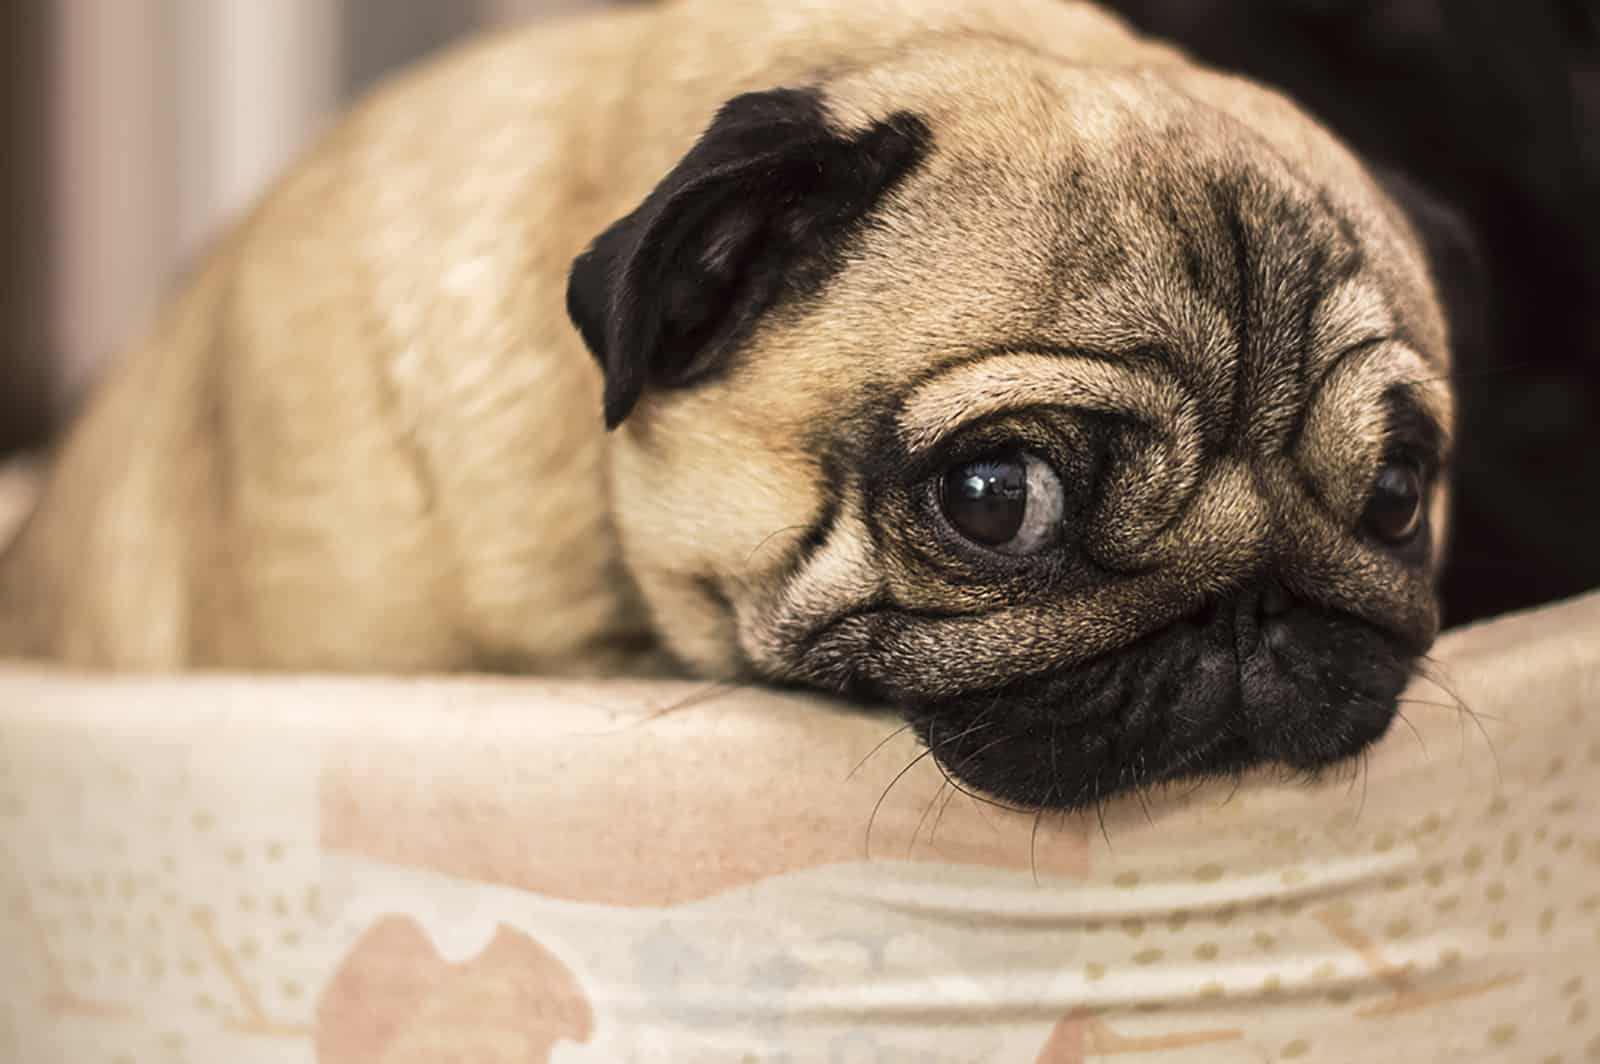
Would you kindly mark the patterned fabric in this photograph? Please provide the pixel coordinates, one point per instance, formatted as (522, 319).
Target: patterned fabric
(218, 869)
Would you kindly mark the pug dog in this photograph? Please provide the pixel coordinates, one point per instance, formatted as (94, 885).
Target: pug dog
(985, 360)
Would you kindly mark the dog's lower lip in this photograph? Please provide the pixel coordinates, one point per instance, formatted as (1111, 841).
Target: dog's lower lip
(1189, 757)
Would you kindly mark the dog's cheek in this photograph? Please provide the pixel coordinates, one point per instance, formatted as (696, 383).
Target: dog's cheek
(695, 621)
(706, 510)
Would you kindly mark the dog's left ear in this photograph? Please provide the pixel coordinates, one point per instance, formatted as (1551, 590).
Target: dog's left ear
(758, 209)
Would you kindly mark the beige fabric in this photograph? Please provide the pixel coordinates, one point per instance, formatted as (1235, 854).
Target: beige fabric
(295, 869)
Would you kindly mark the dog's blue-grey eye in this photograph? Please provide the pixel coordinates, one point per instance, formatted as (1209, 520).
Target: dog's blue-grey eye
(1010, 502)
(1395, 510)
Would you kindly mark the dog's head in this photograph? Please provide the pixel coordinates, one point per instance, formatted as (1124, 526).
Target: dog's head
(1098, 420)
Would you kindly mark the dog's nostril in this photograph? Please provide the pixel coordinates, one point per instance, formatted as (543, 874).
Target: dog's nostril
(1257, 615)
(1206, 613)
(1275, 600)
(1250, 605)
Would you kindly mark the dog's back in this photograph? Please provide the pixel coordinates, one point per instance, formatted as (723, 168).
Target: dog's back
(321, 455)
(97, 571)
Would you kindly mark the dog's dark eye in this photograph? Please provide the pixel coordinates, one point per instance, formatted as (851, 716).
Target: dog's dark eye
(1010, 502)
(1394, 512)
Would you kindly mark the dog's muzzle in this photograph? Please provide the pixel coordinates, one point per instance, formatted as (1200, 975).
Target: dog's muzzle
(1255, 678)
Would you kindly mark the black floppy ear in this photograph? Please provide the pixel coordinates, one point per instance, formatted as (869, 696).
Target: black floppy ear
(758, 209)
(1455, 258)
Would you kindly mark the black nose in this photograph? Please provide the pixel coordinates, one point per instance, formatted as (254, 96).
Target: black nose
(1249, 608)
(1258, 613)
(1273, 600)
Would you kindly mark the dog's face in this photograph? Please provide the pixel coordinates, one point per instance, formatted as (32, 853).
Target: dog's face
(1062, 410)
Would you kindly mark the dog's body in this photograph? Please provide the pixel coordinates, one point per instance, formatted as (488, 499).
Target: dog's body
(367, 436)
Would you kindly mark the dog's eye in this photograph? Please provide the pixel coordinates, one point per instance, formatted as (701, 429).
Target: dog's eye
(1010, 502)
(1394, 512)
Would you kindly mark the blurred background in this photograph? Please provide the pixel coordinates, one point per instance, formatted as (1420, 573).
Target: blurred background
(131, 130)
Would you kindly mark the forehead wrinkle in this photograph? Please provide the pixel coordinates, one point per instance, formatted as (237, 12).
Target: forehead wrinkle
(1432, 399)
(1232, 259)
(1150, 304)
(1351, 313)
(1134, 262)
(1347, 418)
(968, 391)
(1286, 250)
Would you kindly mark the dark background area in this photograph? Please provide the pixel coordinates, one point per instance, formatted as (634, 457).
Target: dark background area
(377, 36)
(1491, 107)
(25, 357)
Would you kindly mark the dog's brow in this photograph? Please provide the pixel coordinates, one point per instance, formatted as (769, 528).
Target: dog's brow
(972, 389)
(1412, 424)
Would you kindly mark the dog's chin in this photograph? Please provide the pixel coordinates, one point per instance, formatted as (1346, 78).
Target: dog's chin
(1209, 696)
